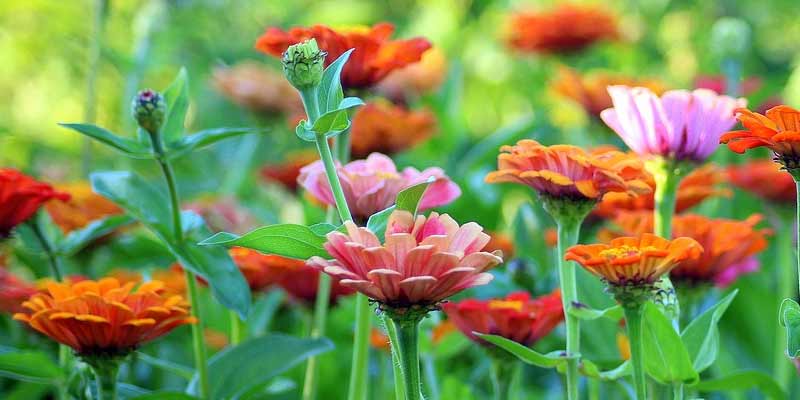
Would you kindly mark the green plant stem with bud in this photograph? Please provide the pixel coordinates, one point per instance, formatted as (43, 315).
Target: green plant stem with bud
(407, 349)
(105, 373)
(787, 289)
(633, 323)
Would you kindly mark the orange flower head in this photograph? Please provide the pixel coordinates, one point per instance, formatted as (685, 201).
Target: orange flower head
(385, 128)
(84, 207)
(564, 171)
(499, 241)
(173, 278)
(565, 29)
(20, 198)
(765, 179)
(379, 341)
(105, 318)
(13, 291)
(551, 237)
(258, 89)
(262, 270)
(416, 79)
(286, 172)
(374, 57)
(590, 90)
(778, 131)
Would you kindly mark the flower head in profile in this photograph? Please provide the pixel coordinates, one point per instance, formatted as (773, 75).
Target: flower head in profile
(778, 130)
(20, 197)
(287, 171)
(13, 291)
(423, 261)
(566, 28)
(104, 318)
(589, 90)
(258, 89)
(375, 55)
(516, 317)
(83, 207)
(372, 185)
(386, 128)
(416, 79)
(680, 125)
(765, 179)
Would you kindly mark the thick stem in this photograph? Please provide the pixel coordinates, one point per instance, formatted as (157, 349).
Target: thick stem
(568, 231)
(407, 348)
(106, 382)
(502, 373)
(785, 277)
(236, 332)
(52, 257)
(391, 331)
(665, 198)
(633, 322)
(333, 179)
(317, 330)
(198, 344)
(677, 391)
(797, 226)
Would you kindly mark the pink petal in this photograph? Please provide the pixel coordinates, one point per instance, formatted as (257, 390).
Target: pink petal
(417, 288)
(388, 281)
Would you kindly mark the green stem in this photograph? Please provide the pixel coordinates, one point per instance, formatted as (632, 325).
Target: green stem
(106, 382)
(568, 231)
(407, 348)
(665, 199)
(52, 257)
(502, 374)
(391, 331)
(236, 332)
(633, 322)
(785, 276)
(797, 226)
(317, 330)
(677, 391)
(62, 393)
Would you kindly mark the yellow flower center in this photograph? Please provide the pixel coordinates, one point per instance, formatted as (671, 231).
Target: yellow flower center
(625, 252)
(505, 305)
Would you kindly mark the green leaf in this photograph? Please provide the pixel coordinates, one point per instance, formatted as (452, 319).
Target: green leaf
(701, 337)
(305, 132)
(164, 396)
(76, 240)
(589, 314)
(30, 366)
(239, 369)
(288, 240)
(591, 370)
(409, 198)
(329, 91)
(377, 222)
(667, 360)
(130, 147)
(324, 228)
(199, 140)
(525, 354)
(331, 123)
(166, 365)
(177, 98)
(790, 319)
(137, 197)
(743, 380)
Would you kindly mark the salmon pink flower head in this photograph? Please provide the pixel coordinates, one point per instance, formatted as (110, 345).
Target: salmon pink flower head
(516, 317)
(423, 261)
(20, 197)
(765, 179)
(778, 130)
(680, 125)
(371, 185)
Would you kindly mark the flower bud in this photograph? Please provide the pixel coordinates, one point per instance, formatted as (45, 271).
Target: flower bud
(148, 109)
(730, 38)
(303, 64)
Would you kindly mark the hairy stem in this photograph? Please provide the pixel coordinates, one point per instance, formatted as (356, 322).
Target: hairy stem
(633, 322)
(407, 349)
(568, 231)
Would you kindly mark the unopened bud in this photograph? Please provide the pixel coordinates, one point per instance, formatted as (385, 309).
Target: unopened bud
(148, 109)
(730, 38)
(303, 64)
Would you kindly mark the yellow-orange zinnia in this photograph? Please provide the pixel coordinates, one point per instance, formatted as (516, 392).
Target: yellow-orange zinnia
(778, 130)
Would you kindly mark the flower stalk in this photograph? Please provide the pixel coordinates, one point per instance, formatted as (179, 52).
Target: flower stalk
(105, 372)
(407, 349)
(502, 372)
(633, 323)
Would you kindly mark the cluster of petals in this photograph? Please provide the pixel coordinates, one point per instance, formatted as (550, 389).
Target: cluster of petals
(105, 317)
(589, 90)
(516, 317)
(386, 128)
(634, 260)
(778, 130)
(20, 197)
(83, 207)
(423, 261)
(374, 57)
(372, 184)
(564, 29)
(258, 89)
(765, 179)
(679, 125)
(13, 291)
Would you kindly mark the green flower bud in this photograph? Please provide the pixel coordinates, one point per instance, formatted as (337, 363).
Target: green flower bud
(148, 109)
(730, 38)
(303, 64)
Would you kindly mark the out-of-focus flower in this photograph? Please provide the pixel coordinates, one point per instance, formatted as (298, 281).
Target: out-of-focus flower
(258, 88)
(564, 29)
(286, 172)
(173, 278)
(779, 131)
(262, 270)
(551, 237)
(420, 78)
(765, 179)
(379, 341)
(516, 317)
(13, 291)
(624, 346)
(441, 331)
(224, 214)
(302, 281)
(699, 185)
(104, 318)
(372, 185)
(680, 125)
(569, 172)
(502, 242)
(215, 339)
(423, 261)
(83, 207)
(20, 198)
(385, 128)
(719, 84)
(590, 91)
(375, 55)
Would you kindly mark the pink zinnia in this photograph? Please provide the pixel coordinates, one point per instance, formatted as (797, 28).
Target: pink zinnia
(372, 185)
(423, 261)
(681, 125)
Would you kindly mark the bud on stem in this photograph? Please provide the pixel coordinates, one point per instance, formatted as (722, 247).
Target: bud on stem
(303, 64)
(148, 109)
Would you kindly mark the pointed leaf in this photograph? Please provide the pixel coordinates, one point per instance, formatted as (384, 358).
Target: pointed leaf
(377, 222)
(177, 98)
(667, 359)
(409, 198)
(525, 354)
(331, 123)
(76, 240)
(199, 140)
(304, 132)
(30, 366)
(288, 240)
(790, 319)
(701, 337)
(586, 313)
(130, 147)
(137, 197)
(329, 91)
(743, 380)
(591, 370)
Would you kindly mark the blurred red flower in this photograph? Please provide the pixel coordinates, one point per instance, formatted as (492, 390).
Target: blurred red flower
(258, 88)
(564, 29)
(381, 127)
(20, 197)
(84, 207)
(13, 291)
(286, 172)
(416, 79)
(719, 84)
(765, 179)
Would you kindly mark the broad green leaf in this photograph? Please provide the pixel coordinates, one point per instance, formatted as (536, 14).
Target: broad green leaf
(166, 365)
(591, 370)
(177, 98)
(76, 240)
(743, 380)
(790, 319)
(331, 123)
(409, 198)
(329, 91)
(253, 363)
(701, 337)
(586, 313)
(130, 147)
(30, 366)
(667, 359)
(164, 396)
(288, 240)
(324, 228)
(199, 140)
(525, 354)
(137, 197)
(377, 222)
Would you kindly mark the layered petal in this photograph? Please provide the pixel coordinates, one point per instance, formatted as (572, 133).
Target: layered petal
(21, 196)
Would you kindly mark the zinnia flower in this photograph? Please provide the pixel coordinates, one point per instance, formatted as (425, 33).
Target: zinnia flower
(13, 291)
(261, 270)
(680, 125)
(566, 28)
(589, 90)
(502, 242)
(516, 317)
(224, 214)
(416, 79)
(765, 179)
(372, 185)
(287, 171)
(20, 198)
(104, 318)
(779, 131)
(423, 261)
(385, 128)
(83, 207)
(301, 282)
(375, 55)
(258, 89)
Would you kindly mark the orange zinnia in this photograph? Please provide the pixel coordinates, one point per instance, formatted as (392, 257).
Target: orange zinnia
(104, 318)
(634, 261)
(385, 128)
(590, 90)
(420, 78)
(502, 242)
(779, 131)
(83, 207)
(286, 172)
(258, 88)
(566, 28)
(375, 55)
(569, 171)
(262, 270)
(765, 179)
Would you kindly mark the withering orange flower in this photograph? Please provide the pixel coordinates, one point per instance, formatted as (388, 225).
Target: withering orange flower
(385, 128)
(564, 171)
(634, 261)
(83, 207)
(104, 318)
(13, 291)
(375, 55)
(286, 172)
(20, 198)
(258, 88)
(765, 179)
(590, 90)
(778, 131)
(419, 78)
(564, 29)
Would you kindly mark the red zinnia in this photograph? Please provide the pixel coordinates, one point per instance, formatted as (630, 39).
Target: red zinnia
(13, 291)
(765, 179)
(566, 28)
(20, 198)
